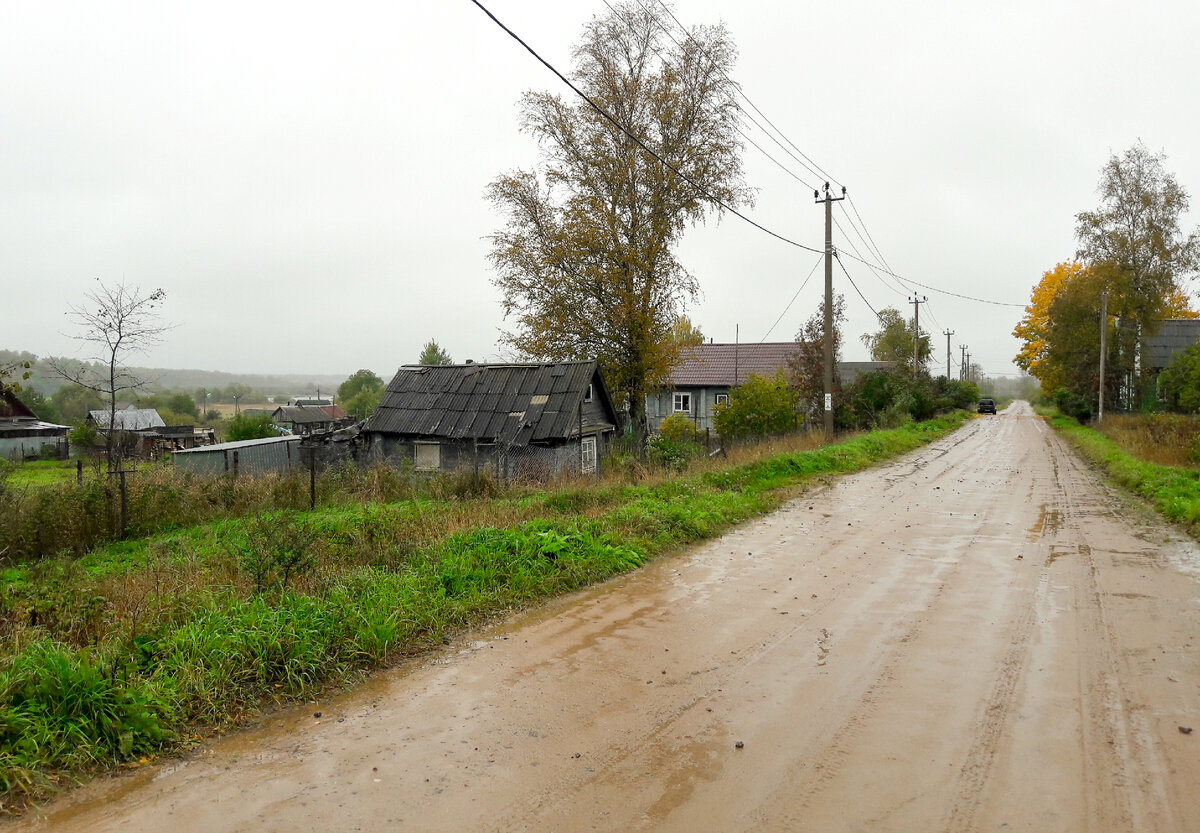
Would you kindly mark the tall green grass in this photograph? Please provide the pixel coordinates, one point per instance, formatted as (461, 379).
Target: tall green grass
(120, 653)
(1174, 491)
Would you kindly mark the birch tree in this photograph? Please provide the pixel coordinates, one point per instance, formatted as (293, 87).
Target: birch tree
(586, 263)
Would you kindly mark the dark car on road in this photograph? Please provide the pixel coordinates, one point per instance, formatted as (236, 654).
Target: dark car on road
(987, 406)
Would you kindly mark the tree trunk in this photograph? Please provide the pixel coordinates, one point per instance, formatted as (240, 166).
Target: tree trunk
(637, 415)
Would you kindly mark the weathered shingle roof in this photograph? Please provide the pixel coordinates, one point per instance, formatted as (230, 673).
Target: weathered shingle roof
(517, 403)
(131, 419)
(1174, 335)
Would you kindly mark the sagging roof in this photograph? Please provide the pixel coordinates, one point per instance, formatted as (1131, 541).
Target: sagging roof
(304, 414)
(131, 419)
(516, 403)
(1174, 335)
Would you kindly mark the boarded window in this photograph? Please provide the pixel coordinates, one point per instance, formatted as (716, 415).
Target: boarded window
(429, 456)
(589, 455)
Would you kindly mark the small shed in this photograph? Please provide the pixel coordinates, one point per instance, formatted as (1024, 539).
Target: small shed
(272, 455)
(528, 420)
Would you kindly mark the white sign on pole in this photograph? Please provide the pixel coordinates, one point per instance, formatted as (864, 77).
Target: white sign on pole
(829, 401)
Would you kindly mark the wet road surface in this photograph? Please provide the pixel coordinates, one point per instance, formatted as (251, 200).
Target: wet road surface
(978, 636)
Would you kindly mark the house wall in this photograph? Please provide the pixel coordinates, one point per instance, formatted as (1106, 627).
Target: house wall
(267, 458)
(660, 405)
(25, 448)
(532, 462)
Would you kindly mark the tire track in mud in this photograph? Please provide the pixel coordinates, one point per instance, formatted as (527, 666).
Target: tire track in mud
(817, 772)
(1125, 788)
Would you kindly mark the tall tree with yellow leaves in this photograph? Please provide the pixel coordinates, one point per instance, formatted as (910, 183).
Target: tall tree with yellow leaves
(586, 265)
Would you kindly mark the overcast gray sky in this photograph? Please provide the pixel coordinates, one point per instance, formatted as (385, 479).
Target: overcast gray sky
(306, 180)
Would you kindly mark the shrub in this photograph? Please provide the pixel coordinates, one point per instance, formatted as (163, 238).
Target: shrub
(678, 428)
(245, 427)
(761, 405)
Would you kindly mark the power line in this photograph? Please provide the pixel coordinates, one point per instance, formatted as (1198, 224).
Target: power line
(736, 86)
(805, 161)
(815, 168)
(700, 189)
(838, 258)
(803, 283)
(942, 291)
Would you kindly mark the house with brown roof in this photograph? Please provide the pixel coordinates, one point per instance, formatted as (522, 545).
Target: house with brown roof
(705, 374)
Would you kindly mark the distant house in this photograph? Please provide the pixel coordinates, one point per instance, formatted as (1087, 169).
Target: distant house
(310, 419)
(23, 436)
(707, 372)
(127, 419)
(530, 420)
(142, 432)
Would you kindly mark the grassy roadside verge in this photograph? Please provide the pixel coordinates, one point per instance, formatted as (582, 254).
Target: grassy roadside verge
(1173, 491)
(141, 647)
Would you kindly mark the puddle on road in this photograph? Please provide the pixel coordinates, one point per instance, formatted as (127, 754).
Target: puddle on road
(1049, 521)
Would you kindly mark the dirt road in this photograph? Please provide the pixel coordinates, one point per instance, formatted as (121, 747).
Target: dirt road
(978, 637)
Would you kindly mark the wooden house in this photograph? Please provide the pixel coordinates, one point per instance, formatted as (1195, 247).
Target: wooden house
(521, 420)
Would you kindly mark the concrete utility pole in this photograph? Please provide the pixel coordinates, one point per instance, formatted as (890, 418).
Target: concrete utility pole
(947, 334)
(1103, 335)
(962, 363)
(916, 302)
(829, 200)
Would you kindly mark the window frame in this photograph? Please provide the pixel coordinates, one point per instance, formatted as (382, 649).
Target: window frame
(427, 447)
(678, 398)
(588, 454)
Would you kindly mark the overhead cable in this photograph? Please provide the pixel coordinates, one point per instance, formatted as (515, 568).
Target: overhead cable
(803, 283)
(700, 189)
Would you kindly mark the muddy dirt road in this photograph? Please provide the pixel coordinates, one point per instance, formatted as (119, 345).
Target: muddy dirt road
(977, 637)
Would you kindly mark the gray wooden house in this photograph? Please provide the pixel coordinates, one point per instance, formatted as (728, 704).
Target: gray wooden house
(705, 374)
(520, 420)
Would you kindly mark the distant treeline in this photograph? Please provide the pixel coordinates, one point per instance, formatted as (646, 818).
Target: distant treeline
(45, 382)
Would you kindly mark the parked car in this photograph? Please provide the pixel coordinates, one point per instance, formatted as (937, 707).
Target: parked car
(987, 406)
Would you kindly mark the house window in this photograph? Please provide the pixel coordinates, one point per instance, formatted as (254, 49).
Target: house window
(722, 399)
(429, 456)
(588, 447)
(683, 403)
(587, 396)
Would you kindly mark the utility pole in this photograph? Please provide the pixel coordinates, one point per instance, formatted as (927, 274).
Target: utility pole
(1103, 334)
(916, 302)
(962, 363)
(829, 200)
(969, 379)
(947, 334)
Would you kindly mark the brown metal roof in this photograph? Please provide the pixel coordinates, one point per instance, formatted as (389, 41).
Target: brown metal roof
(516, 403)
(730, 364)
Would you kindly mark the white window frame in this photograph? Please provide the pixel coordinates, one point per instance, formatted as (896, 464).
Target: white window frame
(681, 402)
(587, 396)
(587, 453)
(427, 456)
(722, 399)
